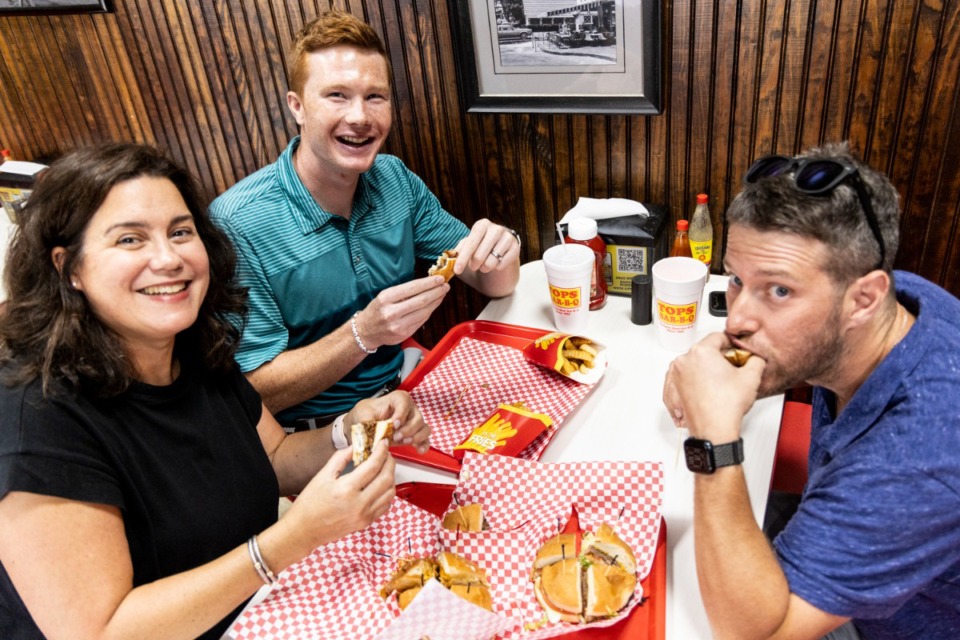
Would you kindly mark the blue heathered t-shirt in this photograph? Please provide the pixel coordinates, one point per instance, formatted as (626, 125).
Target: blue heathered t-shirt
(307, 271)
(877, 534)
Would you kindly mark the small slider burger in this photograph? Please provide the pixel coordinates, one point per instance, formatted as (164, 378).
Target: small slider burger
(409, 578)
(444, 265)
(454, 572)
(737, 357)
(467, 517)
(365, 436)
(581, 585)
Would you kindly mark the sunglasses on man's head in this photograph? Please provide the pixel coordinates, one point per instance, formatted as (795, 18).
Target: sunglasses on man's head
(819, 177)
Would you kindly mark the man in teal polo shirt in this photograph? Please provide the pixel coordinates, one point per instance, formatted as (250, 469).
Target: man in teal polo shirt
(327, 237)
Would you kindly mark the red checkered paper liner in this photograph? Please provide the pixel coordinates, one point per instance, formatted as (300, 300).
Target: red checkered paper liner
(527, 502)
(334, 592)
(463, 390)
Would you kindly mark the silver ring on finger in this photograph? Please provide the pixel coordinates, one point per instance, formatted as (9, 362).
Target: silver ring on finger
(497, 256)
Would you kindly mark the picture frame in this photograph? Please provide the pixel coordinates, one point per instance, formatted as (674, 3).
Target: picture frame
(554, 56)
(53, 7)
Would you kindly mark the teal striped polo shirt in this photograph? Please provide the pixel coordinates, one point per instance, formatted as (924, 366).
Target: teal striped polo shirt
(307, 271)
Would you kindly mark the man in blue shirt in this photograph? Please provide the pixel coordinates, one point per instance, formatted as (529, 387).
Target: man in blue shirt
(327, 237)
(874, 548)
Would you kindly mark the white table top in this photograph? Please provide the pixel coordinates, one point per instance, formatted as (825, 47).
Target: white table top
(624, 418)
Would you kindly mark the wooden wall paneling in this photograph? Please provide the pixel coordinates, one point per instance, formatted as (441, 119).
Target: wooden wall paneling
(818, 75)
(682, 76)
(844, 63)
(242, 155)
(722, 82)
(69, 39)
(922, 225)
(746, 87)
(580, 152)
(559, 161)
(548, 205)
(126, 84)
(272, 71)
(210, 148)
(884, 137)
(873, 34)
(46, 109)
(771, 43)
(945, 134)
(164, 59)
(638, 158)
(146, 81)
(696, 176)
(617, 164)
(403, 137)
(794, 60)
(599, 157)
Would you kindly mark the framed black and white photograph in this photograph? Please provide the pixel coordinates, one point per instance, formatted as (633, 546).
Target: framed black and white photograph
(35, 7)
(558, 56)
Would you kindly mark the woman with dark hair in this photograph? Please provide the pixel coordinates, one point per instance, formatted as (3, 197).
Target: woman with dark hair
(139, 471)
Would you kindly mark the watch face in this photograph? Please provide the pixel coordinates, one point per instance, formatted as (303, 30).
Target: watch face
(699, 455)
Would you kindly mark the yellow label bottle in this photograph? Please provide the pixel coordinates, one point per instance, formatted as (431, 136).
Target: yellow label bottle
(701, 232)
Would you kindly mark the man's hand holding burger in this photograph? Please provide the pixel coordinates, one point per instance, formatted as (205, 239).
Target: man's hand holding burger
(705, 394)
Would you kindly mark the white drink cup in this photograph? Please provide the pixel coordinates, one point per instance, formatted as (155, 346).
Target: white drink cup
(569, 267)
(678, 293)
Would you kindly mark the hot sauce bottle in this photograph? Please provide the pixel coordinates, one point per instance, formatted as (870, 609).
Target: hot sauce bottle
(584, 231)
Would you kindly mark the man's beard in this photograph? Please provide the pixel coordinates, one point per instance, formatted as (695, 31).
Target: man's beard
(821, 356)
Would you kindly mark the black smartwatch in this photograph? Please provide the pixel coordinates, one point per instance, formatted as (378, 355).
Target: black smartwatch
(705, 457)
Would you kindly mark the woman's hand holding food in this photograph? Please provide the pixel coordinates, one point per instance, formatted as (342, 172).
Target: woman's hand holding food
(398, 406)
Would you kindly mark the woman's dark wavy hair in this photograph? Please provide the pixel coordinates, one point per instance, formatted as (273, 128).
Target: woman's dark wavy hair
(47, 329)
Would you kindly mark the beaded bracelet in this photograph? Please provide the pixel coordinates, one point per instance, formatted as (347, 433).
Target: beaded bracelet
(356, 335)
(262, 569)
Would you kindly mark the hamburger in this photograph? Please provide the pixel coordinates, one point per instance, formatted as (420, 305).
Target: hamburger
(468, 517)
(411, 574)
(365, 436)
(444, 265)
(737, 357)
(587, 581)
(454, 572)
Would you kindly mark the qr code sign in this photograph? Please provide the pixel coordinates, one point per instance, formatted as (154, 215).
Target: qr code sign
(632, 259)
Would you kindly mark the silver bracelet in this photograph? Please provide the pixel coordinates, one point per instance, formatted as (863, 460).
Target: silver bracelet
(339, 437)
(262, 569)
(356, 334)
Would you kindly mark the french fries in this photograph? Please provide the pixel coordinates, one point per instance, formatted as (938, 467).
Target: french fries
(577, 354)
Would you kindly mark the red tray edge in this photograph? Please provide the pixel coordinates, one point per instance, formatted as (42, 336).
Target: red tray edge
(434, 458)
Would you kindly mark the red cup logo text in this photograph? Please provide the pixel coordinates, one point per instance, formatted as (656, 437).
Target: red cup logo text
(565, 298)
(678, 315)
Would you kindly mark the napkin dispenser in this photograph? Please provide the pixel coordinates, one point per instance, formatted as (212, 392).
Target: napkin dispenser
(634, 242)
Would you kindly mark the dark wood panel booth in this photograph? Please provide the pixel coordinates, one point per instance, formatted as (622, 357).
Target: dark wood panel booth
(207, 82)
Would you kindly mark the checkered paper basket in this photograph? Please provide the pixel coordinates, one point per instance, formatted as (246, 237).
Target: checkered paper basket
(476, 376)
(333, 593)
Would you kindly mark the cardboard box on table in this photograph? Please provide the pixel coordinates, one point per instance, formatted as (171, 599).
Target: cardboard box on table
(634, 232)
(16, 183)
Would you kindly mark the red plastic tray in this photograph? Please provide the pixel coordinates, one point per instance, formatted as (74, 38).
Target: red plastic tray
(647, 621)
(494, 332)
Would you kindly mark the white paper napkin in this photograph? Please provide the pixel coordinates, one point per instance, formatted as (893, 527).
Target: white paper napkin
(461, 620)
(602, 208)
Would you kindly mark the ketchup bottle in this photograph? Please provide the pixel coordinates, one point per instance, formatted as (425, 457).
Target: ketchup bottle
(584, 231)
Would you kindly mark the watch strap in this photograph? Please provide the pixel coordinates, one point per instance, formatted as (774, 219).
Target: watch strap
(728, 454)
(339, 437)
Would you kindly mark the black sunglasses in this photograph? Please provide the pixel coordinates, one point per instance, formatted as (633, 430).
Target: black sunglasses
(817, 177)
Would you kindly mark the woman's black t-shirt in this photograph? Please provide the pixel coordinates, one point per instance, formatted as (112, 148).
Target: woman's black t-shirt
(183, 463)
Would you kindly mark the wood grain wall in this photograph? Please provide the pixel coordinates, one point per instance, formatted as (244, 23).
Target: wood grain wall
(206, 81)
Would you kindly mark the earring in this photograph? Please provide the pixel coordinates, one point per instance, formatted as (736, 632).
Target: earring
(73, 283)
